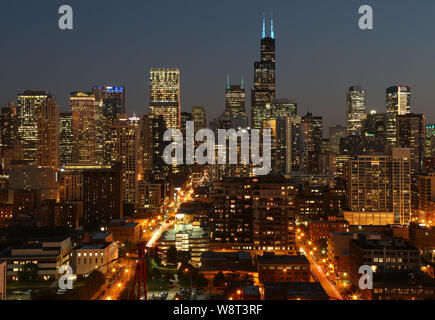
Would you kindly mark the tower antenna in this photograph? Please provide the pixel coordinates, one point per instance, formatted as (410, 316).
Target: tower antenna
(272, 33)
(263, 35)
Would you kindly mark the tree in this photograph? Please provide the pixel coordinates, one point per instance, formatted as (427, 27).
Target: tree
(184, 257)
(28, 273)
(219, 279)
(171, 255)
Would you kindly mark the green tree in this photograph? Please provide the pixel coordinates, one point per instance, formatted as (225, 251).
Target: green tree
(171, 255)
(219, 279)
(28, 273)
(184, 257)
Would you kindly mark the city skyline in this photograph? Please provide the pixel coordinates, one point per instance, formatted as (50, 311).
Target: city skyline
(227, 48)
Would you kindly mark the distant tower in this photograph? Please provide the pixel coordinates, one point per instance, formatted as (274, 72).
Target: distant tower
(355, 110)
(165, 96)
(264, 78)
(398, 103)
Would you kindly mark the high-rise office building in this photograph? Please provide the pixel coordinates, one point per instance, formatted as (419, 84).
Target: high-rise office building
(375, 124)
(398, 103)
(102, 196)
(66, 137)
(411, 133)
(254, 214)
(283, 107)
(264, 78)
(28, 108)
(355, 110)
(48, 134)
(127, 150)
(110, 102)
(184, 117)
(165, 96)
(279, 119)
(426, 212)
(382, 183)
(234, 115)
(199, 117)
(235, 99)
(10, 144)
(309, 142)
(282, 151)
(83, 105)
(153, 129)
(113, 99)
(430, 141)
(335, 135)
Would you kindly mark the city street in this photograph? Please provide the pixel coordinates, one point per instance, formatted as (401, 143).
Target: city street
(327, 285)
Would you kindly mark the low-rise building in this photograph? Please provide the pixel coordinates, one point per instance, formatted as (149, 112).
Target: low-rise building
(338, 251)
(283, 268)
(186, 237)
(320, 229)
(96, 252)
(401, 286)
(124, 230)
(423, 238)
(211, 260)
(294, 291)
(395, 254)
(48, 256)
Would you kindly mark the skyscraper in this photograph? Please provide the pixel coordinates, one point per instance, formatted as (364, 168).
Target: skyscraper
(264, 77)
(335, 135)
(109, 103)
(66, 138)
(411, 133)
(280, 119)
(153, 129)
(82, 105)
(398, 103)
(165, 96)
(382, 183)
(199, 117)
(127, 150)
(113, 98)
(355, 110)
(430, 141)
(102, 196)
(309, 142)
(235, 99)
(10, 144)
(29, 106)
(254, 214)
(48, 134)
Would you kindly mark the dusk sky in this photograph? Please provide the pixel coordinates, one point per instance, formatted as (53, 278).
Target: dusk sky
(320, 50)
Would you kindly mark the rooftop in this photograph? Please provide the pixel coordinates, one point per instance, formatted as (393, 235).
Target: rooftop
(271, 258)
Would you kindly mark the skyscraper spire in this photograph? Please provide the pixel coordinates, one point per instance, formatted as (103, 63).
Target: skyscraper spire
(243, 82)
(228, 81)
(272, 33)
(263, 35)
